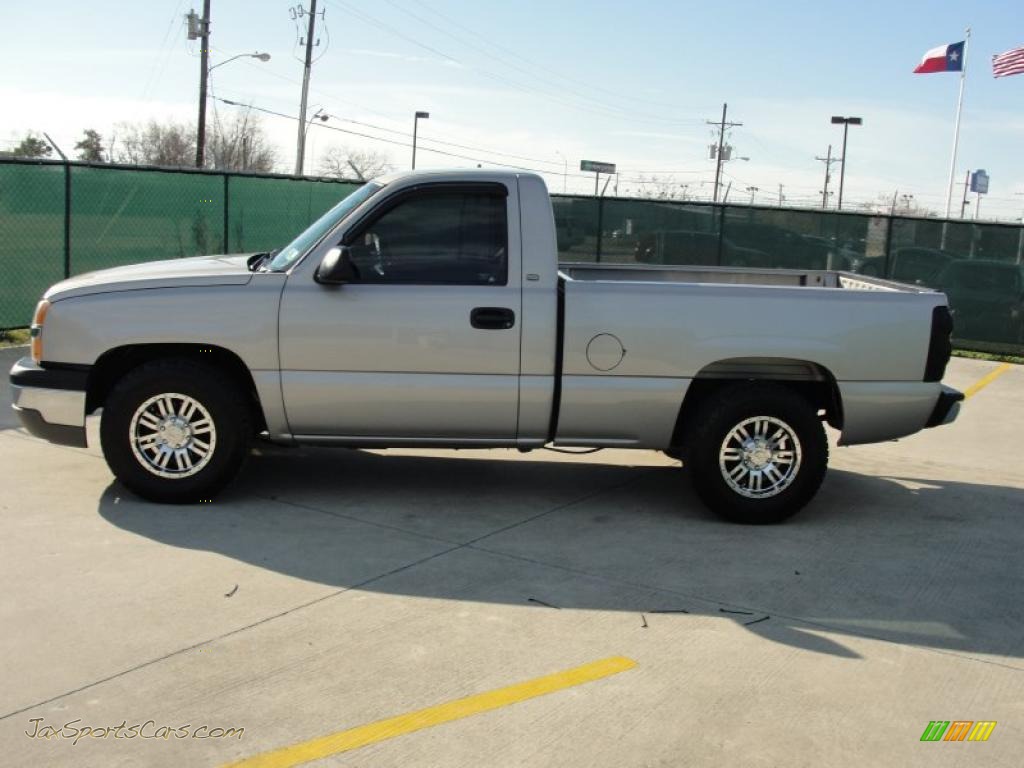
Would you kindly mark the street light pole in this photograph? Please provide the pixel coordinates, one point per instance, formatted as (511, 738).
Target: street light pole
(846, 123)
(415, 126)
(318, 115)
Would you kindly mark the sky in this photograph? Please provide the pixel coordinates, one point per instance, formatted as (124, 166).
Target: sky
(543, 85)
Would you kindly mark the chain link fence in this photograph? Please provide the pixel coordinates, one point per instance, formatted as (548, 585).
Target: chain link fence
(978, 266)
(60, 219)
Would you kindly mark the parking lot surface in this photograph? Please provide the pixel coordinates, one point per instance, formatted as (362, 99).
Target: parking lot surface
(530, 610)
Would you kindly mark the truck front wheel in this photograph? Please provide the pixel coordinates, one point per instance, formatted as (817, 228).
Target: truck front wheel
(175, 431)
(757, 453)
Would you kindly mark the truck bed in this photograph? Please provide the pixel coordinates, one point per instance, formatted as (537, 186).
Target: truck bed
(792, 278)
(636, 336)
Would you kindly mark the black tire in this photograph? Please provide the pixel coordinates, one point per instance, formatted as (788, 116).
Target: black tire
(214, 392)
(720, 414)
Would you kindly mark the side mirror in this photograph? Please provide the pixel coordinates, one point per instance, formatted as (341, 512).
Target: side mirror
(336, 268)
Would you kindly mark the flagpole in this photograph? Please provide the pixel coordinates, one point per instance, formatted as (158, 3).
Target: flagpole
(956, 129)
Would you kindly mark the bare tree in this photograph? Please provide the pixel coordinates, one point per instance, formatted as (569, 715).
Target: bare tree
(172, 144)
(661, 188)
(241, 144)
(901, 204)
(346, 163)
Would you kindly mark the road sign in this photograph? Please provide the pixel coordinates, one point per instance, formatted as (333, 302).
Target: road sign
(595, 167)
(979, 182)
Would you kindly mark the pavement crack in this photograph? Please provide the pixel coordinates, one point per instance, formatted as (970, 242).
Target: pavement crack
(315, 601)
(745, 609)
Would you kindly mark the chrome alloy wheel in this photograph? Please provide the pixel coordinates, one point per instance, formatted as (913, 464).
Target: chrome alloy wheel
(172, 435)
(760, 457)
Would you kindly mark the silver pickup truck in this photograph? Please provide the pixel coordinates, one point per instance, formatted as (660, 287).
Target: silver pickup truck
(429, 309)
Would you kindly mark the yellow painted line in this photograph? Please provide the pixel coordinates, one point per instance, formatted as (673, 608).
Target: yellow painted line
(985, 380)
(361, 736)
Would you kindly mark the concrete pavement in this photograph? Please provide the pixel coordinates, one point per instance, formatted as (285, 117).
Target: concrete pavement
(329, 589)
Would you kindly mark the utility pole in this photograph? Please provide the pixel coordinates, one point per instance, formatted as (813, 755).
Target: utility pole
(721, 146)
(753, 191)
(827, 160)
(781, 196)
(204, 74)
(301, 150)
(963, 203)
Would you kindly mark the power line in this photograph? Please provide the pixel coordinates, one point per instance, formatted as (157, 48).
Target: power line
(486, 150)
(389, 141)
(349, 102)
(409, 144)
(448, 143)
(163, 55)
(333, 97)
(510, 62)
(600, 108)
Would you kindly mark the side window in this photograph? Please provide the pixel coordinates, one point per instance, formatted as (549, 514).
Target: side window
(438, 237)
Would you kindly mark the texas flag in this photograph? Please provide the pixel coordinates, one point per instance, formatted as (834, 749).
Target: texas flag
(945, 58)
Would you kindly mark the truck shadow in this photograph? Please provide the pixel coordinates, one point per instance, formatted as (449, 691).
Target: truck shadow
(926, 563)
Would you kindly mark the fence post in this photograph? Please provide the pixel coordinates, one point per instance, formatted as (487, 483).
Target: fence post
(67, 219)
(721, 230)
(888, 245)
(600, 225)
(225, 245)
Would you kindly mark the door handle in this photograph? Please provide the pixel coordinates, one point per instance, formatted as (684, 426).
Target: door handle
(492, 318)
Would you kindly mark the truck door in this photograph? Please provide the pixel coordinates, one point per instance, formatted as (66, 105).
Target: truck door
(424, 343)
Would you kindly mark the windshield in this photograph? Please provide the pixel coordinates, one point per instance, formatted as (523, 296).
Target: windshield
(291, 252)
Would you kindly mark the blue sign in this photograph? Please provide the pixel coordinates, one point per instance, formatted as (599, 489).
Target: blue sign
(979, 182)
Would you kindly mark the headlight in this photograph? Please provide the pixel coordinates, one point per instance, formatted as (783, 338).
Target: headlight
(37, 329)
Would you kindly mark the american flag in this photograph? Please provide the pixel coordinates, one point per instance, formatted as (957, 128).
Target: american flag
(1009, 63)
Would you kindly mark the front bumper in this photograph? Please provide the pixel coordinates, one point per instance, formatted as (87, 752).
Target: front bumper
(50, 401)
(946, 408)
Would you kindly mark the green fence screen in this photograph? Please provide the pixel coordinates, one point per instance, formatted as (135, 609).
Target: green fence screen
(978, 266)
(60, 219)
(31, 237)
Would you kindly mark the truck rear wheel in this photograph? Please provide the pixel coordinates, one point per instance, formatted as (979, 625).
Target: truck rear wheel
(758, 452)
(175, 431)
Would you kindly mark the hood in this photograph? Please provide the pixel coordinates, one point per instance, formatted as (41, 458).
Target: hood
(195, 271)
